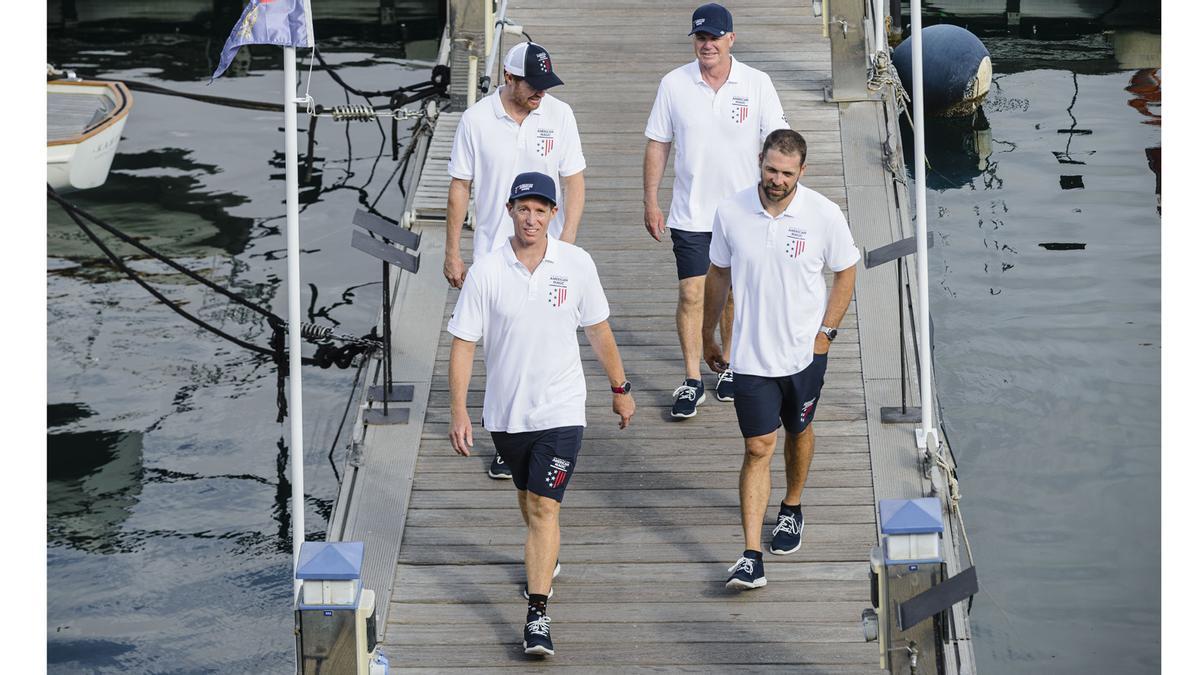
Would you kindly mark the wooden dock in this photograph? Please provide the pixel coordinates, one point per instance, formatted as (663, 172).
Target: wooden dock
(650, 521)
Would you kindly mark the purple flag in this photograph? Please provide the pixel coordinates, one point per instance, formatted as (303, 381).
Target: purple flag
(283, 23)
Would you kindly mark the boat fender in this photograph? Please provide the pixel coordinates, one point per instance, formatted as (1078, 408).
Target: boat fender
(957, 70)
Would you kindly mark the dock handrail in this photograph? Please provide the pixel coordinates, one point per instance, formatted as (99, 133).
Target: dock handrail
(485, 82)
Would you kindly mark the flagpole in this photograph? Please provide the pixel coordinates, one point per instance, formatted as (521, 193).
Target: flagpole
(296, 405)
(926, 432)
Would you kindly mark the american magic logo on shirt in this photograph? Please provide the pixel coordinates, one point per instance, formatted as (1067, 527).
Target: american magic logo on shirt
(558, 290)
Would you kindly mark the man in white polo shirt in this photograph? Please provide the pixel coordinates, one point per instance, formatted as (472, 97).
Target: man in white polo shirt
(526, 301)
(716, 111)
(518, 128)
(773, 241)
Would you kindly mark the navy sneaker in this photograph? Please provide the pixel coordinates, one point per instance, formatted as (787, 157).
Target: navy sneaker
(687, 396)
(747, 573)
(725, 386)
(537, 635)
(499, 470)
(785, 538)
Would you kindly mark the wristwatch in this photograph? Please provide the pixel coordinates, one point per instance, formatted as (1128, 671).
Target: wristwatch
(829, 332)
(625, 388)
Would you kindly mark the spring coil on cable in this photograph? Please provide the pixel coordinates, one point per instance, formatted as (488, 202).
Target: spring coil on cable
(315, 333)
(352, 113)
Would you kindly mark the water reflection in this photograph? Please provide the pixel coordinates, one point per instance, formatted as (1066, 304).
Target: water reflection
(93, 482)
(957, 150)
(1046, 276)
(139, 188)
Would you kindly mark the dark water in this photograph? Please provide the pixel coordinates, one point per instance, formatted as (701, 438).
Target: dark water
(1045, 281)
(168, 516)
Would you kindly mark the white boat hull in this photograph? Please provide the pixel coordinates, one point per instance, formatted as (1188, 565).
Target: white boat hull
(81, 160)
(80, 166)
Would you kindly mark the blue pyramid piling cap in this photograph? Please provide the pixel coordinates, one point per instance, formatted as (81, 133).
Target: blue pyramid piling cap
(330, 560)
(910, 516)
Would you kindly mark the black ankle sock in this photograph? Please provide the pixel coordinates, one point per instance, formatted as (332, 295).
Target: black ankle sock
(755, 555)
(788, 508)
(537, 604)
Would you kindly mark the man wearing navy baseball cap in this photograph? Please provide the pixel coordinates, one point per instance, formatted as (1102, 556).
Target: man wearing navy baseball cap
(717, 111)
(518, 128)
(526, 301)
(713, 19)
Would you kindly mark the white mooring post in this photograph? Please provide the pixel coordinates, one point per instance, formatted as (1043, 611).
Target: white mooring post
(295, 402)
(877, 10)
(925, 433)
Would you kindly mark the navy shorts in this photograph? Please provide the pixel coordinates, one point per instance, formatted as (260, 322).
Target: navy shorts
(691, 252)
(763, 402)
(541, 461)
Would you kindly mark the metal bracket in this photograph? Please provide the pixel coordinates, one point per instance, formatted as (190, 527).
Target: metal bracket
(378, 417)
(396, 393)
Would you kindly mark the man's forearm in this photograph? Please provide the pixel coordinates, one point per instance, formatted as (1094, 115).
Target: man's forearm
(573, 192)
(716, 293)
(457, 199)
(462, 361)
(605, 346)
(839, 297)
(654, 164)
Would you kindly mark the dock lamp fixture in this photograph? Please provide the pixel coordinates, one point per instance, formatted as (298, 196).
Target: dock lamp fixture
(908, 581)
(335, 615)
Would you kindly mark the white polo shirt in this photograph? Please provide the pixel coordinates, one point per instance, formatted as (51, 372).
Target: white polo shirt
(717, 136)
(528, 323)
(490, 149)
(778, 288)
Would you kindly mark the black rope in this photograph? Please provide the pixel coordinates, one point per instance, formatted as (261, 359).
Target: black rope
(437, 85)
(120, 265)
(328, 353)
(203, 98)
(75, 212)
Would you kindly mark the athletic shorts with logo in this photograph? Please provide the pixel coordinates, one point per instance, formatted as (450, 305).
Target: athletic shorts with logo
(541, 461)
(762, 403)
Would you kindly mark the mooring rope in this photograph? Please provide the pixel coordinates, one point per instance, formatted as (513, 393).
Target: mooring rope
(327, 353)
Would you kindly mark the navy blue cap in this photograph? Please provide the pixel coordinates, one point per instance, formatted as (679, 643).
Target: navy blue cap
(712, 19)
(533, 184)
(532, 62)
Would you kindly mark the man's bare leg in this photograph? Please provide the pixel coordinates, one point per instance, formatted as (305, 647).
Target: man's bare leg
(754, 487)
(689, 316)
(524, 507)
(797, 455)
(541, 542)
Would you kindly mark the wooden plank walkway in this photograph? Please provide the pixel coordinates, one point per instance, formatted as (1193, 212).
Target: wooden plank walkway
(650, 522)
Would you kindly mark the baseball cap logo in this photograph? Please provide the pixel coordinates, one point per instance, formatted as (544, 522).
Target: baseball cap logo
(698, 22)
(524, 187)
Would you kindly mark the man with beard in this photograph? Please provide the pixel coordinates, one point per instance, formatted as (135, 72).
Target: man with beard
(773, 241)
(526, 301)
(518, 128)
(716, 111)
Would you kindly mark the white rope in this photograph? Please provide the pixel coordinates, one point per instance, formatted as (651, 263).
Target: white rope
(309, 103)
(955, 495)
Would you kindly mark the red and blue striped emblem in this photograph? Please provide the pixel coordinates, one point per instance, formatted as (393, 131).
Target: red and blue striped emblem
(558, 296)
